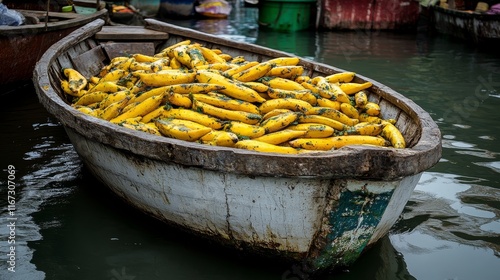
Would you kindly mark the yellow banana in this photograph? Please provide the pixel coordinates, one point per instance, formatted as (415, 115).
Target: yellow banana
(279, 122)
(323, 120)
(132, 121)
(313, 88)
(114, 97)
(313, 130)
(323, 102)
(257, 86)
(331, 91)
(145, 58)
(211, 56)
(225, 56)
(233, 71)
(142, 127)
(225, 102)
(284, 61)
(225, 114)
(281, 83)
(231, 88)
(285, 103)
(113, 110)
(168, 51)
(360, 98)
(215, 66)
(181, 54)
(264, 147)
(349, 110)
(166, 77)
(332, 114)
(363, 128)
(372, 109)
(76, 80)
(342, 77)
(175, 64)
(90, 98)
(392, 133)
(274, 112)
(219, 138)
(180, 131)
(189, 115)
(304, 95)
(287, 72)
(197, 58)
(113, 76)
(66, 88)
(86, 110)
(350, 88)
(140, 109)
(281, 136)
(253, 73)
(156, 113)
(302, 79)
(336, 142)
(108, 87)
(179, 100)
(364, 117)
(238, 60)
(244, 130)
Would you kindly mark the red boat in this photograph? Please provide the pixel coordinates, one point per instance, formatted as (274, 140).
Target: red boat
(368, 14)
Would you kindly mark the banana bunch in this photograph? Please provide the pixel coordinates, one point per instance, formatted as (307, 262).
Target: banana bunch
(193, 93)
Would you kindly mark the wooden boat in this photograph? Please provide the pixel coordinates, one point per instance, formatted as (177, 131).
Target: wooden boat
(478, 28)
(320, 209)
(22, 46)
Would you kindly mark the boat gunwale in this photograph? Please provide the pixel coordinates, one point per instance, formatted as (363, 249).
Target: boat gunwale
(352, 162)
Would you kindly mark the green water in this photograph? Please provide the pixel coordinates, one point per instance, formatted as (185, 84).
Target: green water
(70, 227)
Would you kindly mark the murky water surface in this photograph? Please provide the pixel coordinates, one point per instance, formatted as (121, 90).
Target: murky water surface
(68, 226)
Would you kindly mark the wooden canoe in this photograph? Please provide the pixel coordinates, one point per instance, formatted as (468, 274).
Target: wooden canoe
(476, 28)
(22, 46)
(321, 209)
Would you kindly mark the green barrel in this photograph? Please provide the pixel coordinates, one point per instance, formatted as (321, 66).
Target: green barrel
(287, 15)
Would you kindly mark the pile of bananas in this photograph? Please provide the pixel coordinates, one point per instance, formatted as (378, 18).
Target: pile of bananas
(193, 93)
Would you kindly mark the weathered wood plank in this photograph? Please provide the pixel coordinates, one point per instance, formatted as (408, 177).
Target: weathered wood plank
(125, 49)
(131, 33)
(91, 62)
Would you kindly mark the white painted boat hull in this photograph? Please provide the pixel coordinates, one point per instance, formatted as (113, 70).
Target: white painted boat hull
(286, 215)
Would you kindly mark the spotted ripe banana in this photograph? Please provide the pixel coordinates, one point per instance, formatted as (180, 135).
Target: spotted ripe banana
(244, 130)
(285, 103)
(279, 122)
(114, 97)
(281, 83)
(108, 87)
(113, 110)
(231, 88)
(140, 109)
(286, 72)
(190, 115)
(342, 77)
(360, 98)
(351, 88)
(171, 129)
(219, 138)
(166, 77)
(284, 61)
(281, 136)
(372, 109)
(253, 73)
(323, 102)
(349, 110)
(91, 98)
(392, 133)
(313, 130)
(336, 142)
(235, 70)
(211, 56)
(363, 128)
(304, 95)
(76, 80)
(225, 102)
(332, 114)
(264, 147)
(66, 88)
(225, 114)
(323, 120)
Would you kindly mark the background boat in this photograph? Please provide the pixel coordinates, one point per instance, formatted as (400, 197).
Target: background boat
(321, 209)
(22, 46)
(477, 28)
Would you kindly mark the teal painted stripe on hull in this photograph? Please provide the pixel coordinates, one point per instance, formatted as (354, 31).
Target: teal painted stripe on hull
(351, 226)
